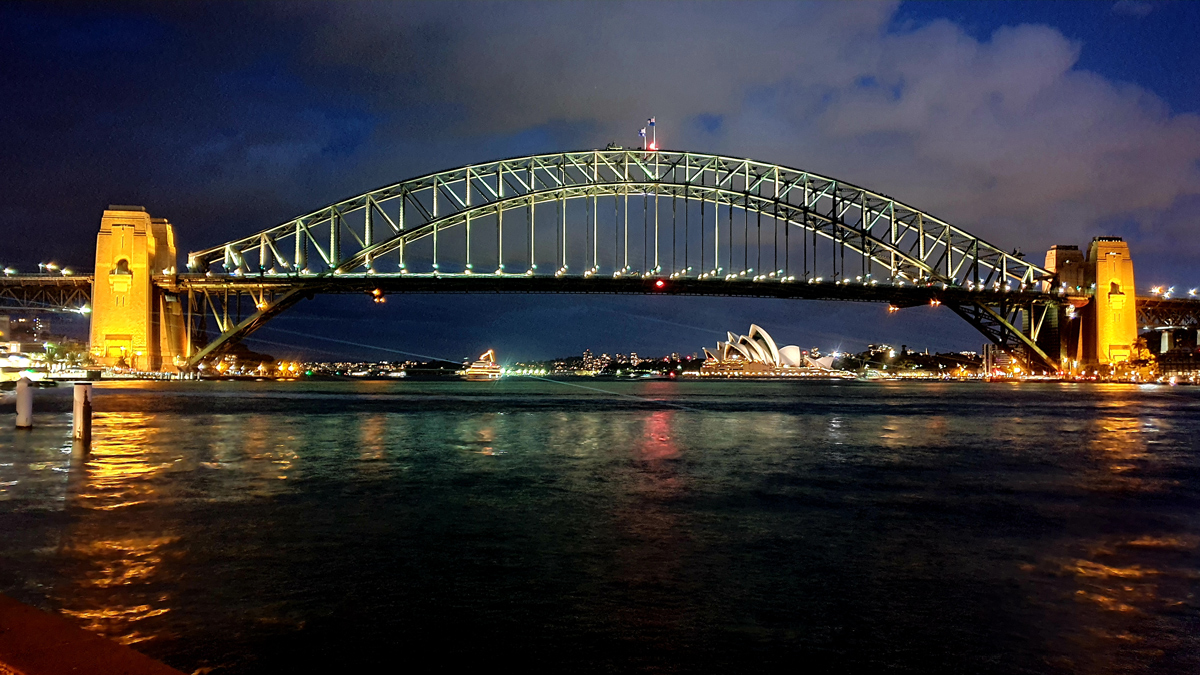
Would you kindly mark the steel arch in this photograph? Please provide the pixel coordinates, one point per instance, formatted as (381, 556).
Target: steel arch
(906, 242)
(908, 246)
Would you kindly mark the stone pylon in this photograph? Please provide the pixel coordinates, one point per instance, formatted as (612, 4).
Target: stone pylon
(137, 321)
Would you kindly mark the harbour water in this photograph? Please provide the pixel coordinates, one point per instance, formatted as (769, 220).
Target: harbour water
(610, 527)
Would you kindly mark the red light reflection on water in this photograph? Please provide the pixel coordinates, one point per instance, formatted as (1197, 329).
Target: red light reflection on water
(657, 442)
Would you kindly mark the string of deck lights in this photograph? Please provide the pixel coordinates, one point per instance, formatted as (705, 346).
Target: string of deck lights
(43, 268)
(1166, 292)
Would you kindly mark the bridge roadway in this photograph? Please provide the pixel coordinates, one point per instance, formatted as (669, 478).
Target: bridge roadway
(995, 313)
(46, 293)
(72, 294)
(907, 295)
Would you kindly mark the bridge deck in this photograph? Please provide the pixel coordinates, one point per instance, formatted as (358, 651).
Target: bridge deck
(901, 296)
(45, 292)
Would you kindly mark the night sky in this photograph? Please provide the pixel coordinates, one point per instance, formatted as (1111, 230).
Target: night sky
(1029, 124)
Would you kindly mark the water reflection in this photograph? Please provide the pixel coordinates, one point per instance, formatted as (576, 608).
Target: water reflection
(1002, 520)
(652, 548)
(119, 467)
(116, 573)
(113, 585)
(657, 440)
(478, 434)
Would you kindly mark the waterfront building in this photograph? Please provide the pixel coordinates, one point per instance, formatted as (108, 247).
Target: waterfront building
(756, 355)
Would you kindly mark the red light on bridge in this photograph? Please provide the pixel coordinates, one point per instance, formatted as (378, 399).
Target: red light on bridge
(660, 283)
(653, 146)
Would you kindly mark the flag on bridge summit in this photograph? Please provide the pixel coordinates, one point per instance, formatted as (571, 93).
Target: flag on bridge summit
(642, 133)
(650, 121)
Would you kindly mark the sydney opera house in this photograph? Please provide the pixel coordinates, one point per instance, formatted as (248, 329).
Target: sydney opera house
(756, 355)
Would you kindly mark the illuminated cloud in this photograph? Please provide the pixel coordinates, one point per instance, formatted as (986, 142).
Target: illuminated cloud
(1004, 135)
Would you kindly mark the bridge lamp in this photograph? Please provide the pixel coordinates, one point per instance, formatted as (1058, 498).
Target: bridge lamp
(50, 267)
(9, 271)
(41, 267)
(1192, 292)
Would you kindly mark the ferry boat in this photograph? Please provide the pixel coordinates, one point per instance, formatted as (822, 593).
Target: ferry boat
(483, 370)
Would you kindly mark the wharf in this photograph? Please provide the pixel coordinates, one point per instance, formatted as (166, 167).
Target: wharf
(33, 642)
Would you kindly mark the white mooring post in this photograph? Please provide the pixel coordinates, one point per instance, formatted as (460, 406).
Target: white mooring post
(24, 404)
(82, 418)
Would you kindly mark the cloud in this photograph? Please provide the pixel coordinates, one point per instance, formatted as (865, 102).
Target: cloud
(1136, 8)
(231, 118)
(1005, 136)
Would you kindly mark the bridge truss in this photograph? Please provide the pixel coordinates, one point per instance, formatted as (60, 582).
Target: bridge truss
(1156, 312)
(707, 224)
(46, 293)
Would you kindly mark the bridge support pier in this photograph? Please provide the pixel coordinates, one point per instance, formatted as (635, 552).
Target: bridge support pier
(1098, 326)
(137, 319)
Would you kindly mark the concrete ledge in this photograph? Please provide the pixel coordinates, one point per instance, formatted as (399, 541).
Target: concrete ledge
(33, 642)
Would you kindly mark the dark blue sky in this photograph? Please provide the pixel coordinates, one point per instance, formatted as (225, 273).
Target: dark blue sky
(1027, 123)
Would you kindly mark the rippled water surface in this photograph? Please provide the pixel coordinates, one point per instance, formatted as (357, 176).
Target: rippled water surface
(657, 526)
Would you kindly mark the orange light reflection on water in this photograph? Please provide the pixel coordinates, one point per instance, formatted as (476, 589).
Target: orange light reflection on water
(115, 558)
(1116, 592)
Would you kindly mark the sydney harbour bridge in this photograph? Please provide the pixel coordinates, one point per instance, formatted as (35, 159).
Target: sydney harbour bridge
(612, 221)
